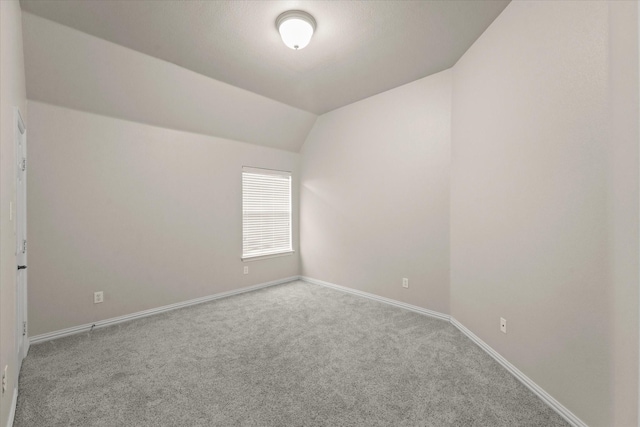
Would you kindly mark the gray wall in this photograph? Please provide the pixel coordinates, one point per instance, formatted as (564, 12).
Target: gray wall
(375, 194)
(12, 88)
(150, 216)
(536, 200)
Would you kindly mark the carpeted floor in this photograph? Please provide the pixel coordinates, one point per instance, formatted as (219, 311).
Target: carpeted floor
(289, 355)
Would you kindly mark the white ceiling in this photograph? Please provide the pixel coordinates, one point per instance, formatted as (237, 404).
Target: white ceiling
(72, 69)
(360, 48)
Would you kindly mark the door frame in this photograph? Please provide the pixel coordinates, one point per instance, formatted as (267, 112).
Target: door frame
(22, 341)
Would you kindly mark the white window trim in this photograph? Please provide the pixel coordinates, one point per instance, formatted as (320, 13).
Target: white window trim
(260, 257)
(284, 251)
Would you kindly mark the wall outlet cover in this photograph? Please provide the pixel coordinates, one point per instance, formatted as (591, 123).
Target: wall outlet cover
(98, 297)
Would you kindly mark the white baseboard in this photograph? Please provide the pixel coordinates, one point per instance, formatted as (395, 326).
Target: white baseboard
(546, 397)
(115, 320)
(569, 416)
(14, 403)
(374, 297)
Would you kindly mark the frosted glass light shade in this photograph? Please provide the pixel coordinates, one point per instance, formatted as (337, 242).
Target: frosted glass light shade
(296, 28)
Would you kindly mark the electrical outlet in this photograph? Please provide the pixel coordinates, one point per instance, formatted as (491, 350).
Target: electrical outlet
(405, 282)
(246, 269)
(503, 325)
(98, 297)
(4, 378)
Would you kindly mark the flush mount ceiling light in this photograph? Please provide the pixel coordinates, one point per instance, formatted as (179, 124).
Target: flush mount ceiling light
(296, 28)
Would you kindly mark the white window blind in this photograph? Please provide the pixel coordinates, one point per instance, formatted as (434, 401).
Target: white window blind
(266, 212)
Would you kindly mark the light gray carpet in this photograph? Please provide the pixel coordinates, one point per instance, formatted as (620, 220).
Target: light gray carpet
(290, 355)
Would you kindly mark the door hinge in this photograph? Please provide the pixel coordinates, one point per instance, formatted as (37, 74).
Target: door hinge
(24, 328)
(24, 246)
(24, 164)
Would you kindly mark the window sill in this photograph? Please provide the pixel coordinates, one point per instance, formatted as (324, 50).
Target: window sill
(261, 257)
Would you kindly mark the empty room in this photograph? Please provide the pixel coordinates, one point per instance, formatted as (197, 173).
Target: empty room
(319, 213)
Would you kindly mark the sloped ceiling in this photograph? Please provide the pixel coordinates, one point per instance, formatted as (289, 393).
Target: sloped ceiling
(360, 47)
(72, 69)
(232, 76)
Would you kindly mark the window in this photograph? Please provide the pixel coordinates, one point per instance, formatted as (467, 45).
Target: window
(266, 212)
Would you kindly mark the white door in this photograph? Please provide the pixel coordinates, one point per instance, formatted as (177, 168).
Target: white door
(22, 344)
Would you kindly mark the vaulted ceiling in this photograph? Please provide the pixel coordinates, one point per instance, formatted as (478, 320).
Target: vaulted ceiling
(360, 48)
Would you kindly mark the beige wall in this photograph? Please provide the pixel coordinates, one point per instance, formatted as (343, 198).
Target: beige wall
(543, 221)
(12, 89)
(623, 203)
(150, 216)
(375, 194)
(517, 196)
